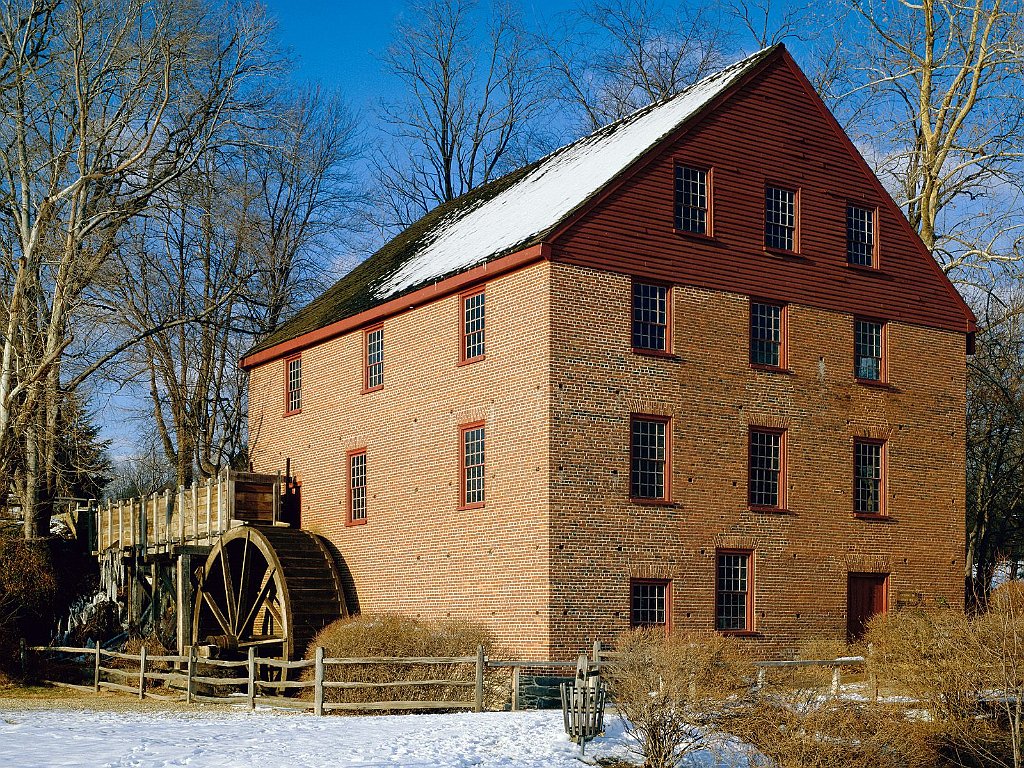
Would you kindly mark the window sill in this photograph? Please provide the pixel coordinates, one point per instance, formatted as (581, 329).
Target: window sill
(470, 360)
(864, 268)
(466, 507)
(293, 413)
(658, 353)
(354, 523)
(652, 502)
(739, 632)
(771, 369)
(697, 235)
(368, 390)
(782, 252)
(873, 518)
(768, 510)
(877, 384)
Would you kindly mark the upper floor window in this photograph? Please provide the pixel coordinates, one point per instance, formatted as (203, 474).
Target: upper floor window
(765, 478)
(373, 376)
(649, 603)
(868, 477)
(357, 487)
(473, 318)
(650, 317)
(691, 200)
(780, 219)
(473, 466)
(293, 384)
(734, 606)
(860, 236)
(649, 451)
(869, 350)
(767, 337)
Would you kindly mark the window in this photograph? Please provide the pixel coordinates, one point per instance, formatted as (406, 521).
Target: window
(767, 335)
(649, 458)
(780, 219)
(766, 480)
(649, 603)
(650, 317)
(860, 236)
(373, 375)
(691, 200)
(473, 326)
(868, 477)
(357, 487)
(733, 604)
(293, 385)
(472, 466)
(869, 350)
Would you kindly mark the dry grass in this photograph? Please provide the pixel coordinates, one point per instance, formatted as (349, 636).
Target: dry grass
(391, 635)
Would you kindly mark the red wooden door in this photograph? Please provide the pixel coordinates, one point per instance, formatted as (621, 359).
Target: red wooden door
(865, 597)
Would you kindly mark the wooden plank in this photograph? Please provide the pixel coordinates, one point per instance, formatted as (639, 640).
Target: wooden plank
(168, 659)
(120, 672)
(220, 662)
(217, 699)
(404, 660)
(218, 681)
(118, 687)
(370, 706)
(398, 684)
(318, 682)
(175, 677)
(75, 686)
(165, 697)
(843, 662)
(303, 664)
(284, 701)
(269, 685)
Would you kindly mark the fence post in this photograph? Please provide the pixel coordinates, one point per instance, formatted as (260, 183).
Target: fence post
(189, 673)
(872, 677)
(96, 672)
(479, 704)
(318, 682)
(252, 678)
(835, 681)
(23, 657)
(142, 673)
(515, 689)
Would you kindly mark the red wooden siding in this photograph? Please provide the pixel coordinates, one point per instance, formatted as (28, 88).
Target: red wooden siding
(769, 132)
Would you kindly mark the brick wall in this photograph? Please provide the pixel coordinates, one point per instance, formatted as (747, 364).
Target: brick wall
(417, 553)
(600, 540)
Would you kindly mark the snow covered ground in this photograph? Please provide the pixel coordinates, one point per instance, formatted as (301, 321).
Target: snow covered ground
(50, 738)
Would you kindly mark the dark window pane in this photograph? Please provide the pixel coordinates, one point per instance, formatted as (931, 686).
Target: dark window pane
(648, 604)
(766, 334)
(867, 347)
(860, 235)
(867, 474)
(650, 317)
(648, 458)
(780, 218)
(765, 468)
(691, 200)
(733, 593)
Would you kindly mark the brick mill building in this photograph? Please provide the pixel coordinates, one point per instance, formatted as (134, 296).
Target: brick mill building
(693, 370)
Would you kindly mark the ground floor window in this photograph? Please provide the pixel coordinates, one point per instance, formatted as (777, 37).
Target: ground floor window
(650, 603)
(733, 592)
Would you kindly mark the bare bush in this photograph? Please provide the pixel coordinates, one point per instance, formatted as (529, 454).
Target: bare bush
(670, 690)
(28, 584)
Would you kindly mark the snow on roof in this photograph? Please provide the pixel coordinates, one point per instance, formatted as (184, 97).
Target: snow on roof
(555, 187)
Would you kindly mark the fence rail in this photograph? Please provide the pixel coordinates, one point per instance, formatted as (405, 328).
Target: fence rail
(137, 677)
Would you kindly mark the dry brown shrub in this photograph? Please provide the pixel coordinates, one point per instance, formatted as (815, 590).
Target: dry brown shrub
(28, 584)
(392, 635)
(670, 690)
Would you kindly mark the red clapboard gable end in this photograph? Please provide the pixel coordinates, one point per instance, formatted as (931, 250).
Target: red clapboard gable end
(771, 130)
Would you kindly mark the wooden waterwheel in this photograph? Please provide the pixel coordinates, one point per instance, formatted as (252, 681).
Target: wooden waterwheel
(265, 587)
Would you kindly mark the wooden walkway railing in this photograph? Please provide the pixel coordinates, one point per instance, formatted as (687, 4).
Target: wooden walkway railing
(187, 675)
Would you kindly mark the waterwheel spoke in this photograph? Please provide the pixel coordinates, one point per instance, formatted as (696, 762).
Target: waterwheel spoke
(216, 611)
(243, 585)
(261, 641)
(229, 594)
(260, 599)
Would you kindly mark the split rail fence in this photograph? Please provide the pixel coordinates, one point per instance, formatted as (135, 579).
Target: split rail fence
(193, 678)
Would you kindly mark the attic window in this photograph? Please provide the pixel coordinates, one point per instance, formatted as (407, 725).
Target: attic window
(292, 385)
(860, 236)
(691, 200)
(473, 320)
(780, 219)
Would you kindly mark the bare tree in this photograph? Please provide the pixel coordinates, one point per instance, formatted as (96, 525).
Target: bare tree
(467, 117)
(106, 104)
(615, 56)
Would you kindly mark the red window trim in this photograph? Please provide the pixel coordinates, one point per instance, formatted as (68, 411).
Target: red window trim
(366, 359)
(883, 483)
(883, 373)
(667, 421)
(463, 360)
(287, 386)
(850, 202)
(783, 366)
(709, 171)
(796, 190)
(669, 297)
(463, 428)
(783, 505)
(667, 583)
(349, 521)
(751, 629)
